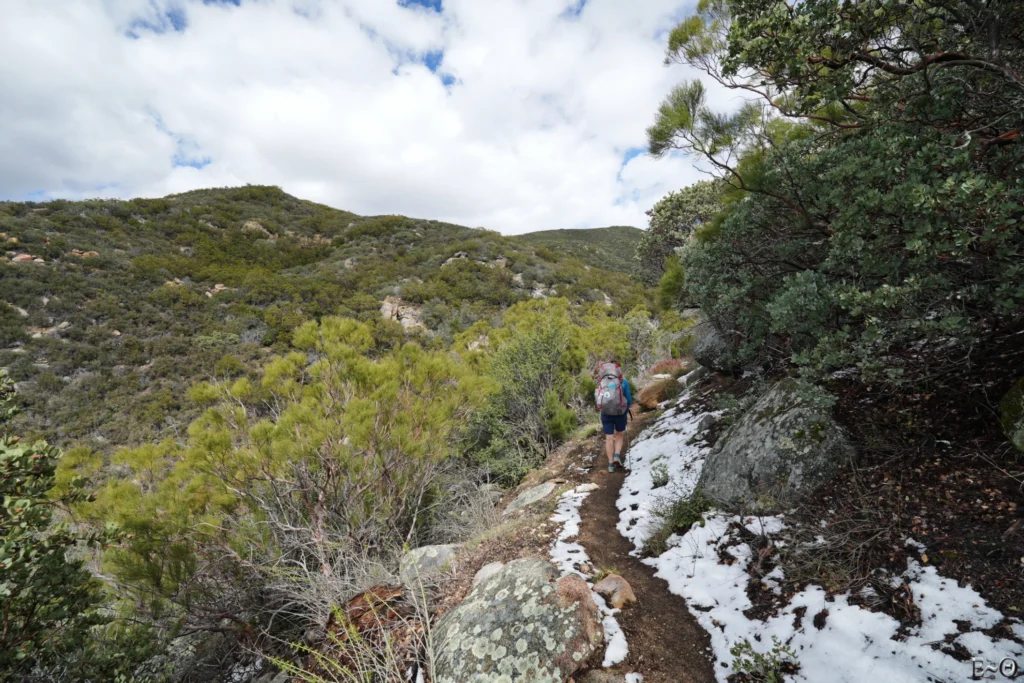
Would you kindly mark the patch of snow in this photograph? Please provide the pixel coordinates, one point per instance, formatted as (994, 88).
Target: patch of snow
(634, 678)
(616, 649)
(569, 557)
(854, 644)
(666, 443)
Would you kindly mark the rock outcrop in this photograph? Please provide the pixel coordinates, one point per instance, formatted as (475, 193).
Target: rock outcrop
(255, 228)
(458, 256)
(710, 348)
(407, 315)
(1011, 414)
(781, 449)
(523, 624)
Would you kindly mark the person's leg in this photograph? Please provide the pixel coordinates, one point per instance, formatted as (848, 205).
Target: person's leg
(620, 439)
(608, 427)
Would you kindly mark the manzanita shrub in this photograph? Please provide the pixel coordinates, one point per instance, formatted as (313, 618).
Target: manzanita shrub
(872, 216)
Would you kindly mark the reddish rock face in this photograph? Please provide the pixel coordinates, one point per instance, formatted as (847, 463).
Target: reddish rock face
(573, 592)
(22, 258)
(656, 392)
(616, 590)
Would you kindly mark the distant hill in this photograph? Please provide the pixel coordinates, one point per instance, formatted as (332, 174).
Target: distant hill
(110, 309)
(610, 248)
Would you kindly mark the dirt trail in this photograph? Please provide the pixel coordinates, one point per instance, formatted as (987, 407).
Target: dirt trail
(666, 644)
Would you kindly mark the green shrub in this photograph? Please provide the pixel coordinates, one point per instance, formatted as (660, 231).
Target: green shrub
(764, 667)
(675, 516)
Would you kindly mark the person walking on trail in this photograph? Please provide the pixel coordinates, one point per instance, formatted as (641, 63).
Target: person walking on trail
(614, 399)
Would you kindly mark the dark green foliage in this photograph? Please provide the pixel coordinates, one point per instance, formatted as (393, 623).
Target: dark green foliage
(670, 286)
(608, 248)
(49, 603)
(874, 231)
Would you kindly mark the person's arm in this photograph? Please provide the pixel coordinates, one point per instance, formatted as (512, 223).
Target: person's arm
(628, 392)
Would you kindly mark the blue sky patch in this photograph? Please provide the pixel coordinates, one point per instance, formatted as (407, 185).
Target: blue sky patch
(186, 150)
(574, 10)
(173, 19)
(435, 5)
(433, 59)
(627, 156)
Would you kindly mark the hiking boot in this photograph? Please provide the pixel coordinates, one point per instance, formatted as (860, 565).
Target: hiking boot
(611, 468)
(617, 459)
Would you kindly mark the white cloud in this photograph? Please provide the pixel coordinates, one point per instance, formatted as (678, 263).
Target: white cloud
(331, 100)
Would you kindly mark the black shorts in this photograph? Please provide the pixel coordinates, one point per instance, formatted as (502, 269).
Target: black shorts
(613, 423)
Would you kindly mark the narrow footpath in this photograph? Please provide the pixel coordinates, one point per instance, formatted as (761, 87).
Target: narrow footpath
(666, 644)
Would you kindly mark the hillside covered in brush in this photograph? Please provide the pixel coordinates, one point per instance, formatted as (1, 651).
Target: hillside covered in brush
(612, 247)
(110, 309)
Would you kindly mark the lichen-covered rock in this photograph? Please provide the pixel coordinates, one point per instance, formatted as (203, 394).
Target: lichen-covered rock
(422, 562)
(1011, 414)
(486, 572)
(783, 448)
(710, 348)
(523, 624)
(531, 496)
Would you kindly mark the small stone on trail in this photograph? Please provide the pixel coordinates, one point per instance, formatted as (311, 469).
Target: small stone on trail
(616, 590)
(587, 488)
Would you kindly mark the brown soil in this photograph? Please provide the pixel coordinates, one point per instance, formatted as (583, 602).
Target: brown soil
(666, 644)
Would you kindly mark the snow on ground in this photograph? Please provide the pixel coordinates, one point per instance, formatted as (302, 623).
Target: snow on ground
(855, 645)
(571, 558)
(663, 448)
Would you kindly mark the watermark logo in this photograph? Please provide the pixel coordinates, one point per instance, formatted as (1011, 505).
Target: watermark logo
(983, 670)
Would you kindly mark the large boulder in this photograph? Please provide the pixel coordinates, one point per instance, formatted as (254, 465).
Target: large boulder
(522, 624)
(781, 449)
(1011, 414)
(710, 348)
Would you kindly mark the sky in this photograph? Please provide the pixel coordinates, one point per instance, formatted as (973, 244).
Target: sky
(514, 115)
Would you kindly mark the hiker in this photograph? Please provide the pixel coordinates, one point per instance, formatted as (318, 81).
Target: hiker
(614, 400)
